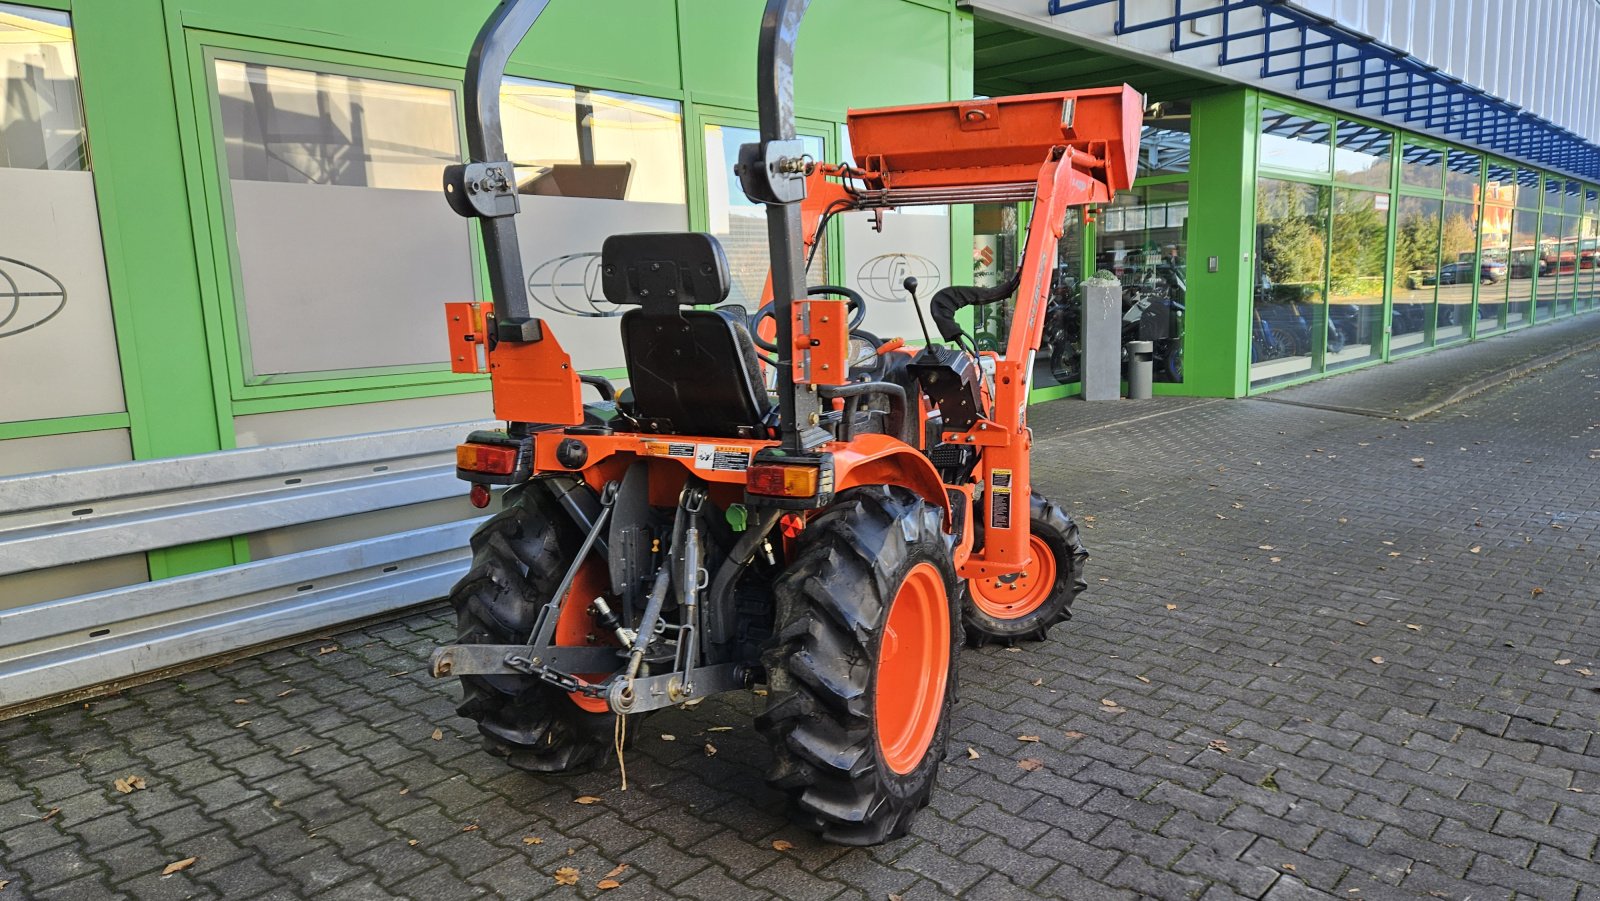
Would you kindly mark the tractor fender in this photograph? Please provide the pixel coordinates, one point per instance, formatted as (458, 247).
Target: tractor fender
(883, 460)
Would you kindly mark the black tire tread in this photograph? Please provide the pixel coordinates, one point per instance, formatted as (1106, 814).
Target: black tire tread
(519, 557)
(1056, 526)
(831, 604)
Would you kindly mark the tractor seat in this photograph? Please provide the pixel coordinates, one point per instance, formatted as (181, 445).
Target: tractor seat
(692, 372)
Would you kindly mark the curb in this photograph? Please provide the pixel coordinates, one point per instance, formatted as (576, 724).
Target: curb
(1501, 377)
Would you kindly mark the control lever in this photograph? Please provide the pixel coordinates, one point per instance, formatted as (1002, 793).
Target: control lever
(910, 284)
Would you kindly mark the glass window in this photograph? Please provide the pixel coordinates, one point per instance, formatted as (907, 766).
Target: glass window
(1164, 142)
(1362, 154)
(1360, 240)
(579, 142)
(1290, 276)
(995, 247)
(1294, 143)
(1498, 216)
(590, 164)
(1416, 273)
(338, 225)
(41, 120)
(1521, 268)
(55, 309)
(1588, 270)
(1556, 263)
(1459, 271)
(740, 225)
(1462, 175)
(1149, 256)
(1422, 166)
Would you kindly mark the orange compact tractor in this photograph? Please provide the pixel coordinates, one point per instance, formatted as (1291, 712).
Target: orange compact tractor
(794, 503)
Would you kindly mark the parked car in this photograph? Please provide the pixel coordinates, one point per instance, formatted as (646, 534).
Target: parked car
(1489, 272)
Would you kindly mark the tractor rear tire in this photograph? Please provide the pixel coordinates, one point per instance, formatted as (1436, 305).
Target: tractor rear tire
(862, 668)
(518, 558)
(1023, 607)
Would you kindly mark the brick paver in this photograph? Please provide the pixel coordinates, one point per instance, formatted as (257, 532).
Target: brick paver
(1215, 723)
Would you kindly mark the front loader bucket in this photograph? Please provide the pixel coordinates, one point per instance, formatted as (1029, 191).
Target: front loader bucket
(1003, 140)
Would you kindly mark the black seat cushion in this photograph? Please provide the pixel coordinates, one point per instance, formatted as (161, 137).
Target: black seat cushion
(694, 373)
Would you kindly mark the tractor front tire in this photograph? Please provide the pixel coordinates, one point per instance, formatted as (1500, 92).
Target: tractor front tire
(1023, 606)
(862, 667)
(518, 558)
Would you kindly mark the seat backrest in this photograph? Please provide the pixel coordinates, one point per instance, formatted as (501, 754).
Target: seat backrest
(692, 372)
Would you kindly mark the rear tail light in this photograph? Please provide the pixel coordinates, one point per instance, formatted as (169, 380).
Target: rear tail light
(486, 458)
(781, 481)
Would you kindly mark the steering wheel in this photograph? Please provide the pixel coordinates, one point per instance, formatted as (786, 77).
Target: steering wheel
(857, 307)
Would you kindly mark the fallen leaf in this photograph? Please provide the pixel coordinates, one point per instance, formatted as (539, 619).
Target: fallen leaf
(759, 692)
(1172, 606)
(49, 813)
(1563, 661)
(616, 871)
(1342, 520)
(1289, 867)
(605, 884)
(1413, 627)
(1218, 744)
(567, 876)
(1585, 671)
(1264, 547)
(285, 693)
(1036, 683)
(1029, 764)
(1073, 734)
(1275, 559)
(1108, 702)
(328, 650)
(412, 842)
(470, 827)
(668, 736)
(242, 723)
(1027, 738)
(129, 784)
(781, 845)
(178, 866)
(532, 840)
(1394, 553)
(586, 799)
(1144, 679)
(711, 749)
(1377, 660)
(299, 750)
(241, 700)
(972, 754)
(438, 734)
(1536, 592)
(1475, 549)
(720, 729)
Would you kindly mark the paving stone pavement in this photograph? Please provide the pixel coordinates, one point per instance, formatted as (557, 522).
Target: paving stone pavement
(1322, 656)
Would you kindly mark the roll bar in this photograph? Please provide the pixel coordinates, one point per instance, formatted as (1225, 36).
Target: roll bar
(773, 172)
(485, 187)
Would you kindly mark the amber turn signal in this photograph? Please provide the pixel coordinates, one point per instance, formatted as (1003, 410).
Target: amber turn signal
(486, 458)
(782, 481)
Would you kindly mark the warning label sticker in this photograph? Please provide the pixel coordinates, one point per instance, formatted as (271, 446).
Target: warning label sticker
(669, 449)
(721, 457)
(1000, 499)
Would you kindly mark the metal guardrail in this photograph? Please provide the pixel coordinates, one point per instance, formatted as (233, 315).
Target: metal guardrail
(60, 518)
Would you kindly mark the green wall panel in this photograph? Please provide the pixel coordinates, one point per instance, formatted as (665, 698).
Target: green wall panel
(1222, 218)
(849, 53)
(150, 260)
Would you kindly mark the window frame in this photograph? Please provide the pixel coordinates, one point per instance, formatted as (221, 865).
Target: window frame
(227, 328)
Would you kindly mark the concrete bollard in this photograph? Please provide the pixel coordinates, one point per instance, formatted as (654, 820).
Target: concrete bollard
(1141, 369)
(1101, 331)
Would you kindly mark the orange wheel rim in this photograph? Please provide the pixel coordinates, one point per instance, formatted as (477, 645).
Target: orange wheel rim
(913, 669)
(1019, 594)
